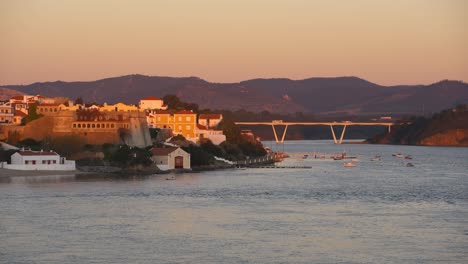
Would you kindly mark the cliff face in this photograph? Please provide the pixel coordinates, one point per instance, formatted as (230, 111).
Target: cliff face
(454, 137)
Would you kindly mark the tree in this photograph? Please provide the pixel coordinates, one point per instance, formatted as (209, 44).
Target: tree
(79, 100)
(32, 113)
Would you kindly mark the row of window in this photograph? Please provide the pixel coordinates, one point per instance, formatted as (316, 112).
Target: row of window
(43, 109)
(187, 118)
(33, 162)
(98, 125)
(5, 111)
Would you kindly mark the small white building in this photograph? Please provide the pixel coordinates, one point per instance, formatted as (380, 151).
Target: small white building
(38, 160)
(171, 158)
(152, 103)
(209, 120)
(216, 136)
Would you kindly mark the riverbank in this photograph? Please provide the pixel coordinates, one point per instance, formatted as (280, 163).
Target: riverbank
(16, 173)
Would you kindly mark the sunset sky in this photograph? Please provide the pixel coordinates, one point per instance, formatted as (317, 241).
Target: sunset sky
(387, 42)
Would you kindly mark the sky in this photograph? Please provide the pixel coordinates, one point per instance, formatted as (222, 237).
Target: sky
(387, 42)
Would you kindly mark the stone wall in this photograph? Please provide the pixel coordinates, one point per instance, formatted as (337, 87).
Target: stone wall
(130, 128)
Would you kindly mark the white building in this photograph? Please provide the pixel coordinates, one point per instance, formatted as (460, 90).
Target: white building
(171, 158)
(209, 120)
(38, 160)
(152, 103)
(216, 136)
(6, 112)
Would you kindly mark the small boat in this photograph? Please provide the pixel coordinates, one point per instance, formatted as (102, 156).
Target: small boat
(408, 157)
(398, 155)
(376, 158)
(305, 156)
(409, 165)
(171, 178)
(349, 164)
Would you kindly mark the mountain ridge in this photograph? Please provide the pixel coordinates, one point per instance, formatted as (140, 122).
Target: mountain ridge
(319, 95)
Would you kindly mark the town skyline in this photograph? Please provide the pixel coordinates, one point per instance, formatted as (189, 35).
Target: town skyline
(389, 43)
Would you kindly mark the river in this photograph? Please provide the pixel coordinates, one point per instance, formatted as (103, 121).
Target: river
(377, 212)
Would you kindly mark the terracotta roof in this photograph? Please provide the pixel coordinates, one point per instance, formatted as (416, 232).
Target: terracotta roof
(152, 98)
(37, 153)
(209, 116)
(20, 113)
(185, 112)
(48, 105)
(160, 112)
(162, 151)
(201, 127)
(18, 97)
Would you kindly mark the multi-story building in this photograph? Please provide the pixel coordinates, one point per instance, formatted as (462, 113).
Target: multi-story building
(6, 113)
(182, 123)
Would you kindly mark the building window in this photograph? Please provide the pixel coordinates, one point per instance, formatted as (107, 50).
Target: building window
(180, 118)
(54, 161)
(88, 125)
(43, 162)
(93, 126)
(180, 127)
(34, 162)
(187, 127)
(26, 162)
(188, 118)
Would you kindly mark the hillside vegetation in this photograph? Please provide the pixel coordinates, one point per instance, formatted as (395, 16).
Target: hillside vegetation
(447, 128)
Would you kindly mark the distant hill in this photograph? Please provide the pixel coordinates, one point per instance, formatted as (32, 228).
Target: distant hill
(339, 96)
(447, 128)
(6, 93)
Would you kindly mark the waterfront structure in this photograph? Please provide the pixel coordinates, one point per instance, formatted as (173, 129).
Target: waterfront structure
(152, 103)
(344, 124)
(210, 120)
(171, 158)
(38, 160)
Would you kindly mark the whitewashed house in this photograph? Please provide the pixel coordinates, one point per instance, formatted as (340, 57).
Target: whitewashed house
(216, 136)
(171, 158)
(152, 103)
(209, 120)
(38, 160)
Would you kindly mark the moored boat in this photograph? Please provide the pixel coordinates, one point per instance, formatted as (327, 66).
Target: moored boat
(349, 164)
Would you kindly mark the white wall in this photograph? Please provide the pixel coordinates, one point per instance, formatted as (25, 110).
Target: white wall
(69, 165)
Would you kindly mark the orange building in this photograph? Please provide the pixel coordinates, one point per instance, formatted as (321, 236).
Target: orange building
(182, 122)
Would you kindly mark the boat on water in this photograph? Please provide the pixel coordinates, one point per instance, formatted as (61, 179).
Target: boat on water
(171, 178)
(398, 155)
(409, 165)
(349, 164)
(376, 158)
(408, 157)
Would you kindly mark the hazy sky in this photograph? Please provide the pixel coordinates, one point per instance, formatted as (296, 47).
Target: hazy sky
(387, 42)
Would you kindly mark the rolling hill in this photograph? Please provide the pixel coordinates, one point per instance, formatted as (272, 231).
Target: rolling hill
(340, 95)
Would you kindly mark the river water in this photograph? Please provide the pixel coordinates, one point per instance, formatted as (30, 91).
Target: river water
(377, 212)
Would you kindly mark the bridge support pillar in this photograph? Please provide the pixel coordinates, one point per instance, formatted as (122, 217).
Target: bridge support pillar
(333, 134)
(335, 140)
(276, 134)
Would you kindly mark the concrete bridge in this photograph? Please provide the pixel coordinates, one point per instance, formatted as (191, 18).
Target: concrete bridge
(276, 123)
